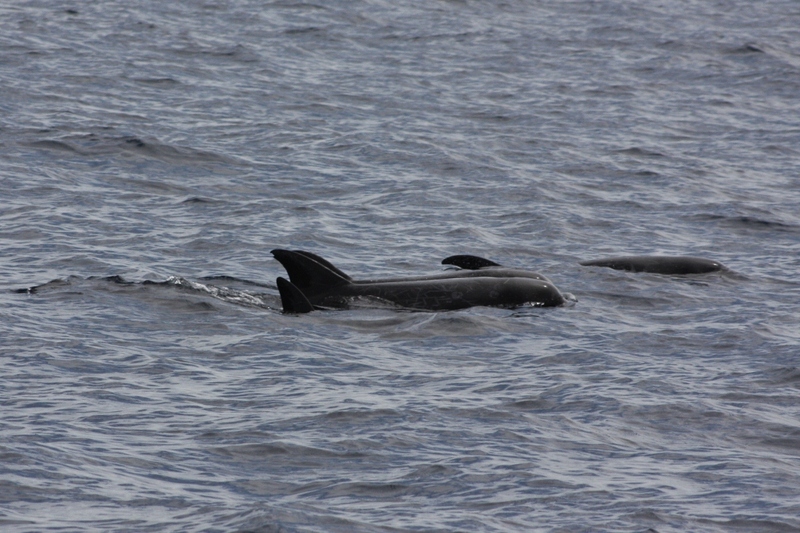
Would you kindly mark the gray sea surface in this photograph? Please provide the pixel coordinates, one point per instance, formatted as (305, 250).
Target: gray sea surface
(153, 153)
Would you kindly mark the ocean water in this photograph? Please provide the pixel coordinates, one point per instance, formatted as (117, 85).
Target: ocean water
(152, 154)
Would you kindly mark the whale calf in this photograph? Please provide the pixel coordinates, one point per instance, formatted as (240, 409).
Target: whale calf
(658, 264)
(315, 283)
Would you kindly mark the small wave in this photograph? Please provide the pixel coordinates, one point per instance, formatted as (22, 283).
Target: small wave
(788, 376)
(94, 144)
(158, 82)
(636, 151)
(197, 200)
(220, 293)
(259, 451)
(748, 48)
(225, 294)
(299, 31)
(56, 145)
(233, 279)
(167, 152)
(54, 284)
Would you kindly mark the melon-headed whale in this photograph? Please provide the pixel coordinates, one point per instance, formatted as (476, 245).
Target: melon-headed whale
(315, 283)
(658, 264)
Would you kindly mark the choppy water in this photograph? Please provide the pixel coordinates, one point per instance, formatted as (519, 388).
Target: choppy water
(151, 154)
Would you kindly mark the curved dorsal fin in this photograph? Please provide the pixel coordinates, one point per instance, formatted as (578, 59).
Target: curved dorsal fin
(469, 262)
(323, 262)
(292, 298)
(305, 271)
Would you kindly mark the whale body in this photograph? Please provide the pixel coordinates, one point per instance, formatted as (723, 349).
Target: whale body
(658, 264)
(315, 283)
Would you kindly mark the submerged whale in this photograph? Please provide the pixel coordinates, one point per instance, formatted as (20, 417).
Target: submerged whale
(315, 283)
(658, 264)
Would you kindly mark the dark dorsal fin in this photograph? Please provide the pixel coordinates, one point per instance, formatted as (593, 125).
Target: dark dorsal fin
(292, 298)
(323, 262)
(305, 271)
(469, 262)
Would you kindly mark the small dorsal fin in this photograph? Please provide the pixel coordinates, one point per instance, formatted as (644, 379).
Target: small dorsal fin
(306, 271)
(469, 262)
(292, 298)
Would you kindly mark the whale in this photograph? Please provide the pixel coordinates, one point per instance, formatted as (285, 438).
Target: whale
(659, 264)
(316, 284)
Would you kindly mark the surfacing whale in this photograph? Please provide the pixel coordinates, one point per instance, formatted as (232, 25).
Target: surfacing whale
(315, 283)
(658, 264)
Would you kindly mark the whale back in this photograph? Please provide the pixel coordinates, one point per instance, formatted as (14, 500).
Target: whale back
(315, 283)
(656, 264)
(469, 262)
